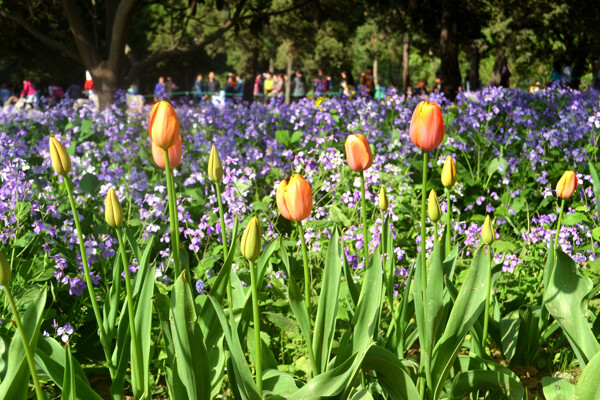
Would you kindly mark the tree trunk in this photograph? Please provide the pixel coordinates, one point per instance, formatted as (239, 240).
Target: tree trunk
(375, 72)
(449, 45)
(474, 79)
(405, 63)
(288, 81)
(249, 75)
(579, 64)
(105, 81)
(271, 66)
(497, 71)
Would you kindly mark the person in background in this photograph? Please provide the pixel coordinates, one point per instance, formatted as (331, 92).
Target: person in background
(4, 93)
(213, 86)
(28, 94)
(170, 86)
(369, 81)
(437, 86)
(89, 83)
(159, 90)
(324, 81)
(299, 90)
(268, 84)
(504, 74)
(74, 91)
(467, 85)
(347, 83)
(229, 89)
(198, 88)
(567, 72)
(56, 94)
(239, 87)
(277, 84)
(132, 89)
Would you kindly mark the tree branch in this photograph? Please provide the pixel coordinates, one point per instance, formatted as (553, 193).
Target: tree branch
(89, 53)
(42, 37)
(117, 40)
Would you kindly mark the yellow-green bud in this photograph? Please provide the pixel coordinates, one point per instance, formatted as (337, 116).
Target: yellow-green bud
(488, 235)
(215, 169)
(4, 271)
(251, 240)
(113, 212)
(383, 199)
(433, 207)
(61, 161)
(449, 173)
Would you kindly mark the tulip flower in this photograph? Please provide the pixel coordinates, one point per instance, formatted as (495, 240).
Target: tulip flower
(433, 207)
(164, 125)
(488, 234)
(383, 199)
(427, 126)
(251, 240)
(566, 185)
(61, 161)
(294, 199)
(4, 271)
(215, 168)
(449, 173)
(113, 212)
(358, 153)
(174, 155)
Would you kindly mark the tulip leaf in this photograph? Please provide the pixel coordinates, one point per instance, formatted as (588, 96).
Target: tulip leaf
(69, 391)
(588, 386)
(468, 382)
(392, 375)
(557, 389)
(595, 183)
(143, 325)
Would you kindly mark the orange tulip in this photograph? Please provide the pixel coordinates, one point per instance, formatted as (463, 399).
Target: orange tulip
(427, 126)
(174, 155)
(164, 125)
(566, 185)
(294, 199)
(358, 153)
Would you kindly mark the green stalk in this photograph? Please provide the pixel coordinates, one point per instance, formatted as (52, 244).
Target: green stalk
(28, 354)
(486, 312)
(423, 219)
(558, 226)
(88, 278)
(448, 222)
(134, 338)
(173, 220)
(307, 282)
(257, 341)
(224, 238)
(364, 218)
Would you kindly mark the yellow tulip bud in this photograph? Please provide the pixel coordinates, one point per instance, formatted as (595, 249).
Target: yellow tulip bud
(4, 271)
(449, 173)
(251, 240)
(215, 169)
(61, 161)
(488, 235)
(113, 212)
(383, 199)
(433, 207)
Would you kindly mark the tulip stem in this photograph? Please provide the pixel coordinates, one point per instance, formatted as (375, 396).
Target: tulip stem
(88, 278)
(307, 282)
(137, 361)
(486, 312)
(28, 354)
(448, 223)
(224, 239)
(364, 218)
(558, 226)
(257, 340)
(173, 218)
(423, 219)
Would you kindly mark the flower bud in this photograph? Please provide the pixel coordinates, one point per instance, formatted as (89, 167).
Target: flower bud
(383, 199)
(251, 240)
(113, 212)
(566, 185)
(488, 235)
(294, 199)
(164, 125)
(427, 126)
(174, 155)
(358, 153)
(433, 207)
(449, 173)
(4, 270)
(215, 169)
(61, 161)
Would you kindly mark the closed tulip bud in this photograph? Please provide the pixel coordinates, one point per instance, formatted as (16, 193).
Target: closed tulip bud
(433, 207)
(358, 153)
(4, 270)
(251, 240)
(113, 213)
(164, 125)
(294, 199)
(383, 199)
(427, 126)
(174, 155)
(488, 235)
(449, 173)
(61, 161)
(566, 185)
(215, 168)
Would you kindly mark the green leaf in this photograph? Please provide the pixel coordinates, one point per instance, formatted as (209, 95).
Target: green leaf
(574, 219)
(467, 307)
(15, 383)
(328, 304)
(588, 386)
(89, 184)
(143, 325)
(564, 298)
(337, 215)
(69, 391)
(595, 183)
(362, 395)
(471, 381)
(499, 165)
(557, 389)
(392, 375)
(283, 137)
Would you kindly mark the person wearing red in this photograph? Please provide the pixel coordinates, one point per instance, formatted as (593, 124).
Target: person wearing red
(28, 94)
